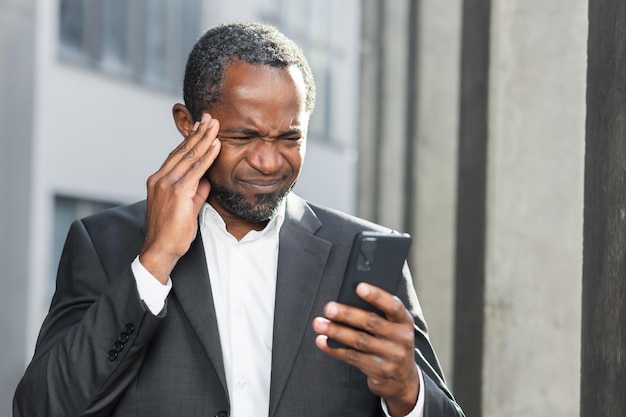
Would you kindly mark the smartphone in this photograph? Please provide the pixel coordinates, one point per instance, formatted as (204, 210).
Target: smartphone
(376, 258)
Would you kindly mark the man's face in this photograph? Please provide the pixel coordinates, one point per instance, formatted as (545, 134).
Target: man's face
(263, 126)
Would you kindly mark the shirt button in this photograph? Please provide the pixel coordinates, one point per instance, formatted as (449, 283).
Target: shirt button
(243, 383)
(238, 311)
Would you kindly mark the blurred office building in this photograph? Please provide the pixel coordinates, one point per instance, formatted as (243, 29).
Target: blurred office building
(86, 91)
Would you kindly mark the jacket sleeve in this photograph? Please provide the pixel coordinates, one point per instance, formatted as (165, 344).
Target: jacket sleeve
(92, 342)
(438, 400)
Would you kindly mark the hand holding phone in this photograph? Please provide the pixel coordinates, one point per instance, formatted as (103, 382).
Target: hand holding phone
(376, 258)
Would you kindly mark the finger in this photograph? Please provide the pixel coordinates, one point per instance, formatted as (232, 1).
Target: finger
(197, 133)
(195, 163)
(391, 306)
(191, 165)
(355, 338)
(360, 322)
(354, 317)
(191, 138)
(203, 188)
(386, 364)
(202, 193)
(379, 364)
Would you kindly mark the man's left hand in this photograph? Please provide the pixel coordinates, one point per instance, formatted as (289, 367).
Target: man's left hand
(381, 347)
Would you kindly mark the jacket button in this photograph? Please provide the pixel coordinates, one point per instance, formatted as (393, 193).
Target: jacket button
(112, 355)
(123, 337)
(222, 414)
(129, 328)
(118, 346)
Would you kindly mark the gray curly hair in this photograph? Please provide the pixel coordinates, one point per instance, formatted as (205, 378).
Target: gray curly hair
(254, 43)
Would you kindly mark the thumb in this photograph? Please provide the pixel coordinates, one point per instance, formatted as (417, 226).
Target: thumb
(202, 193)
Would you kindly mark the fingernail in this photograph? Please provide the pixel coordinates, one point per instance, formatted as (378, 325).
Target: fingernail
(363, 289)
(205, 117)
(215, 142)
(195, 126)
(331, 309)
(211, 123)
(320, 340)
(320, 325)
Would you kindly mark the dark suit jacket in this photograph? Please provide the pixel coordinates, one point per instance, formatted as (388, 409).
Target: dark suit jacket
(102, 353)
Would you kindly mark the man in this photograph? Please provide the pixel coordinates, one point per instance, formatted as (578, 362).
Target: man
(214, 296)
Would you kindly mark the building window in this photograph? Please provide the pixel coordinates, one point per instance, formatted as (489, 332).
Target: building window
(146, 41)
(66, 210)
(324, 49)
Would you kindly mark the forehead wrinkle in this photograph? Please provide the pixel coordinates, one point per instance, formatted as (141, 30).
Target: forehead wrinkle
(264, 99)
(249, 127)
(254, 118)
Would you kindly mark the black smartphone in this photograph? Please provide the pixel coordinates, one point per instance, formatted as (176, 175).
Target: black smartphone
(376, 258)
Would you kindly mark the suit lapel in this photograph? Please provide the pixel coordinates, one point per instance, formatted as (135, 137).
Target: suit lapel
(191, 284)
(301, 260)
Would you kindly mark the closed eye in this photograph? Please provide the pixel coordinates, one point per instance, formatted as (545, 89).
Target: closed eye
(288, 139)
(235, 138)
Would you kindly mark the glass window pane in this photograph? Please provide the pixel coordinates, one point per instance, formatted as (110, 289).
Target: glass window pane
(155, 48)
(66, 210)
(115, 20)
(192, 24)
(147, 41)
(191, 32)
(72, 28)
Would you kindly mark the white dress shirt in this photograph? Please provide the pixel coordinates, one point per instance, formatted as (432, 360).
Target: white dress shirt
(243, 281)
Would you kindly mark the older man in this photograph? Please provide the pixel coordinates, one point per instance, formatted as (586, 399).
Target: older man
(214, 297)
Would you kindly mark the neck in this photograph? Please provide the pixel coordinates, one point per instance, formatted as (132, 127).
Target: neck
(235, 225)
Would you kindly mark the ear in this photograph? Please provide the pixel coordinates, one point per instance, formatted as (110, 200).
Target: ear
(182, 119)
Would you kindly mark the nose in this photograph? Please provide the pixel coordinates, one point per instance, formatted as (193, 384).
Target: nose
(265, 156)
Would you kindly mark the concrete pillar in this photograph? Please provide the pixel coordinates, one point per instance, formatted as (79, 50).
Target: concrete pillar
(371, 51)
(383, 173)
(604, 310)
(532, 98)
(471, 206)
(408, 138)
(436, 122)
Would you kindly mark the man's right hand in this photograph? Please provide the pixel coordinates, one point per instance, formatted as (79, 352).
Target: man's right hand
(176, 193)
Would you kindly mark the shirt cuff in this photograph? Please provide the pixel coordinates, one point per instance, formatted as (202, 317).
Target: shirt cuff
(150, 290)
(418, 410)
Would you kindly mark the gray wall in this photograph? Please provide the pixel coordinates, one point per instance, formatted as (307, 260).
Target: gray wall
(520, 208)
(498, 157)
(16, 109)
(534, 202)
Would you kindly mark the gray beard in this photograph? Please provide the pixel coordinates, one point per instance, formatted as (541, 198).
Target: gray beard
(261, 210)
